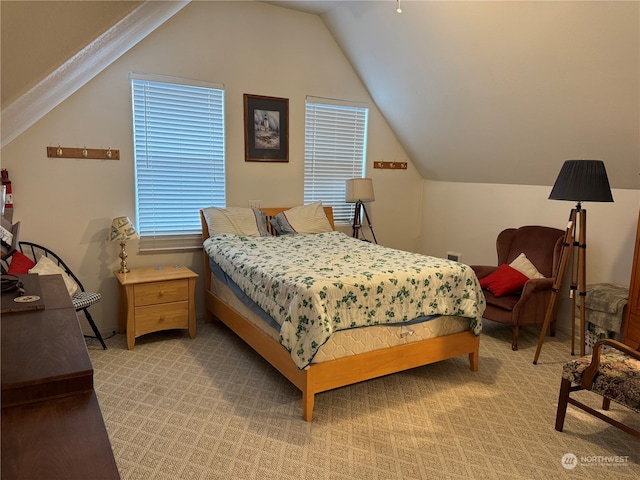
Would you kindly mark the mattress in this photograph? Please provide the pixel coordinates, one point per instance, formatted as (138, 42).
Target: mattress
(313, 286)
(349, 342)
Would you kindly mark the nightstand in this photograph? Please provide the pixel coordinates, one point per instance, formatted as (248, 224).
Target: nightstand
(154, 299)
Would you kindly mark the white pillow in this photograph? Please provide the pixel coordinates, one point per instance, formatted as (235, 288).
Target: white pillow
(237, 220)
(46, 266)
(308, 218)
(524, 266)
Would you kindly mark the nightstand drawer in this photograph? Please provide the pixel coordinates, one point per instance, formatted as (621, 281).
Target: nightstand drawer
(161, 292)
(161, 317)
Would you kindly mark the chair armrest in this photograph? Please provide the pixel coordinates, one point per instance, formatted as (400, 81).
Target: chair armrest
(534, 291)
(592, 369)
(482, 271)
(536, 285)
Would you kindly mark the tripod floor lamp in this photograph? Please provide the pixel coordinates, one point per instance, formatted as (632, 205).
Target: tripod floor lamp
(360, 191)
(579, 181)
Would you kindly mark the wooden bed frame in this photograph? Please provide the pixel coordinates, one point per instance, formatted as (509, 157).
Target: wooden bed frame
(329, 375)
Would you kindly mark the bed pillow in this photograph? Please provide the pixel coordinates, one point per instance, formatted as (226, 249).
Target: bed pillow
(237, 220)
(46, 266)
(303, 219)
(524, 266)
(261, 222)
(504, 280)
(20, 263)
(281, 226)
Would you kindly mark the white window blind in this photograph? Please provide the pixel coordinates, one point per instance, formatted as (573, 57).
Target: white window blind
(178, 130)
(335, 151)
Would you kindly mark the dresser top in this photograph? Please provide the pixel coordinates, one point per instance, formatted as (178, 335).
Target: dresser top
(154, 274)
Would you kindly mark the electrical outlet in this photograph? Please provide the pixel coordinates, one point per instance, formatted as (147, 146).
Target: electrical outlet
(255, 203)
(454, 256)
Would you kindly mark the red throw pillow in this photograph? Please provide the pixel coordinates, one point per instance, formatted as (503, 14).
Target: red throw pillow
(20, 263)
(504, 281)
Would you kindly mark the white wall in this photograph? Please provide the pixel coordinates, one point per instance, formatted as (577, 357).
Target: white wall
(466, 218)
(68, 204)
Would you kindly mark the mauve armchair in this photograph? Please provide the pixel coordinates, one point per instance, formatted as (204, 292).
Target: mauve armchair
(528, 304)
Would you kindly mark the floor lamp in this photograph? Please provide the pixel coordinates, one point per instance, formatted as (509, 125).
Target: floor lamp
(579, 181)
(360, 191)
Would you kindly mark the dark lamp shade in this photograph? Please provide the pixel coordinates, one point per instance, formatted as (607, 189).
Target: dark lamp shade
(582, 181)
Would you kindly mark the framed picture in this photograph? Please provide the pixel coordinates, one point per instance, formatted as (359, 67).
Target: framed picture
(266, 129)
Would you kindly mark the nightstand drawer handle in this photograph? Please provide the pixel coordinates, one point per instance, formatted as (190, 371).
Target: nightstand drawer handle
(161, 293)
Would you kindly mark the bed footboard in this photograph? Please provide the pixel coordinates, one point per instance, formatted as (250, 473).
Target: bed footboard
(345, 371)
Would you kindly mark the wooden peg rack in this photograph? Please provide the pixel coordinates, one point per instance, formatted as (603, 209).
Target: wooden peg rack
(391, 165)
(92, 153)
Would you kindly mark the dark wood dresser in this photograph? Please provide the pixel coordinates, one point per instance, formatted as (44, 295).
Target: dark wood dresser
(52, 426)
(631, 335)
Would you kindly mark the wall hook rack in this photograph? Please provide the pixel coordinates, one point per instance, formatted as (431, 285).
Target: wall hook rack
(89, 153)
(391, 165)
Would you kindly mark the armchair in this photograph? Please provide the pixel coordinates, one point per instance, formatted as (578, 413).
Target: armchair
(613, 372)
(525, 301)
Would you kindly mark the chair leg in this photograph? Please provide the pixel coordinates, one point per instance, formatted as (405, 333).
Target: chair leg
(563, 400)
(514, 340)
(552, 328)
(94, 327)
(606, 403)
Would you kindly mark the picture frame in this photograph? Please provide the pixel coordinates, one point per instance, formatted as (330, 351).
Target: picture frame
(266, 129)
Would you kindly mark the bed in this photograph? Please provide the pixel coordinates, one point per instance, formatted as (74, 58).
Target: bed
(357, 351)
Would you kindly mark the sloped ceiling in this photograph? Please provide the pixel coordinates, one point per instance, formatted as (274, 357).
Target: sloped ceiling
(500, 92)
(493, 92)
(48, 34)
(28, 91)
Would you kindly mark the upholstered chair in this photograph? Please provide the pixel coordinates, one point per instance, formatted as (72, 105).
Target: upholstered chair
(518, 289)
(613, 372)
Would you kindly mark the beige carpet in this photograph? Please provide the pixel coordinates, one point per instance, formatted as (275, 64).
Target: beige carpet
(210, 408)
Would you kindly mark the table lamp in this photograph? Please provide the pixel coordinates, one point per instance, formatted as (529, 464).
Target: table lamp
(122, 230)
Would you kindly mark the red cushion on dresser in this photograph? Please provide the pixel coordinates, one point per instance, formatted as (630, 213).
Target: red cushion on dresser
(20, 263)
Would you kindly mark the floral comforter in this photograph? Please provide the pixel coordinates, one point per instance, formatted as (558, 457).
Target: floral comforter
(314, 285)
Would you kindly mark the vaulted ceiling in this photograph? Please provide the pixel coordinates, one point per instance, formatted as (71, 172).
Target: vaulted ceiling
(480, 92)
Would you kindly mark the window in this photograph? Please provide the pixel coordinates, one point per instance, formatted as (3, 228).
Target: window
(335, 151)
(179, 150)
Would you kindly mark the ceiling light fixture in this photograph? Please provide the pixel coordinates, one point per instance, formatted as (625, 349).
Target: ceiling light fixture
(399, 9)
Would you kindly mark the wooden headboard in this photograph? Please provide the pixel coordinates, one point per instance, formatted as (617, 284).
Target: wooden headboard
(270, 212)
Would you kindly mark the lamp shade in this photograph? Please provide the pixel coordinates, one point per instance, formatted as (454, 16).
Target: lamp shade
(122, 229)
(359, 189)
(582, 181)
